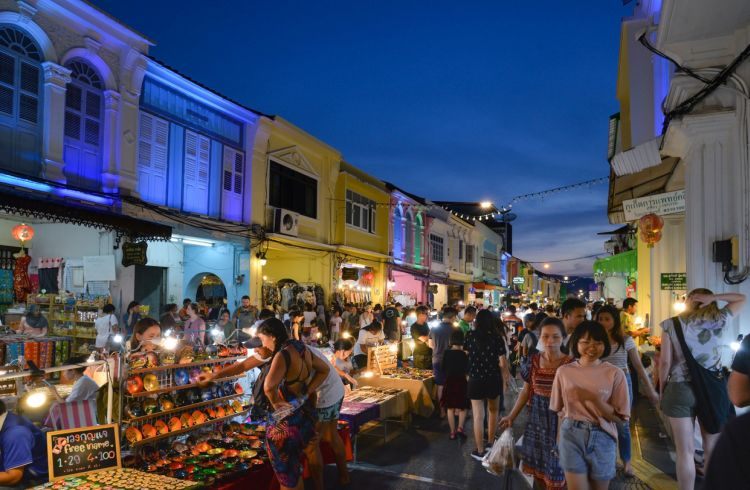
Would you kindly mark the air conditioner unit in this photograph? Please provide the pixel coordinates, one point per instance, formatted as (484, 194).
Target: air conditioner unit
(286, 222)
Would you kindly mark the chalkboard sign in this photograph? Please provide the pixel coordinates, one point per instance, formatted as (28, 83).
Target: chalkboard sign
(134, 254)
(382, 358)
(350, 274)
(78, 451)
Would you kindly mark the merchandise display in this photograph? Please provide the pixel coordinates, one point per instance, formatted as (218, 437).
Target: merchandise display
(120, 479)
(408, 373)
(71, 317)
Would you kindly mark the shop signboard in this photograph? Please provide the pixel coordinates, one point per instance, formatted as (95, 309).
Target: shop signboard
(78, 451)
(134, 254)
(674, 281)
(659, 204)
(518, 280)
(349, 274)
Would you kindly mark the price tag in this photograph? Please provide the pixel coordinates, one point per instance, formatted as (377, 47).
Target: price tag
(85, 450)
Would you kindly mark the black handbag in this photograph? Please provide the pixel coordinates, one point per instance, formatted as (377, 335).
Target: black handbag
(713, 407)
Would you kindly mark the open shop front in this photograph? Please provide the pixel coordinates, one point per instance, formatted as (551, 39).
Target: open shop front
(406, 287)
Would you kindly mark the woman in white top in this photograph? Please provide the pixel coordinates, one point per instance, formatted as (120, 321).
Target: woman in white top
(309, 314)
(370, 336)
(105, 326)
(624, 348)
(367, 317)
(702, 325)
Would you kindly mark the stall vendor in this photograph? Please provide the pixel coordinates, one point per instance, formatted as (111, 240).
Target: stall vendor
(34, 323)
(23, 452)
(84, 388)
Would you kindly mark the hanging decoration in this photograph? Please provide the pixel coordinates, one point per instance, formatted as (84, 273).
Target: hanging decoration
(650, 227)
(23, 233)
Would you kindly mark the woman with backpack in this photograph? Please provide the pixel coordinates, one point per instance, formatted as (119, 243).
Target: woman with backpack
(699, 330)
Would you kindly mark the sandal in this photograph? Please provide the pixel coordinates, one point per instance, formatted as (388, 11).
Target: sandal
(462, 434)
(453, 436)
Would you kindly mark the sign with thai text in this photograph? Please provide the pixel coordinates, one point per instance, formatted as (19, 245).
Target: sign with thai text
(78, 451)
(673, 281)
(659, 204)
(519, 280)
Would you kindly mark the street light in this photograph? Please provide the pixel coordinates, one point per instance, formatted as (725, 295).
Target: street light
(485, 204)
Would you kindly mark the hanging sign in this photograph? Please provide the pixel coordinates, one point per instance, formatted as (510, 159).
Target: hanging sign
(659, 204)
(349, 274)
(674, 281)
(519, 280)
(78, 451)
(134, 254)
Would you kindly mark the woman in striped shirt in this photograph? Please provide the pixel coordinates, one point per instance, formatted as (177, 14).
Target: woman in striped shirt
(624, 348)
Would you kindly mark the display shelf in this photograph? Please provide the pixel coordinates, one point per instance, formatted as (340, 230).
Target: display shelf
(186, 430)
(187, 365)
(181, 409)
(182, 387)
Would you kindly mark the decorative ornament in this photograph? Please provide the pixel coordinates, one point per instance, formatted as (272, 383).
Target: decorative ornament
(650, 227)
(23, 233)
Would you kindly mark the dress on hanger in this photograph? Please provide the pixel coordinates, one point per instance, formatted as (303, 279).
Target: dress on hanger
(21, 282)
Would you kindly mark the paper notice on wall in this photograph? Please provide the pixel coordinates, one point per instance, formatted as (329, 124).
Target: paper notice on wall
(99, 268)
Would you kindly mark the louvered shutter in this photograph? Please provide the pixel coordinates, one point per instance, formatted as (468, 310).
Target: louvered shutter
(233, 171)
(196, 176)
(153, 141)
(82, 147)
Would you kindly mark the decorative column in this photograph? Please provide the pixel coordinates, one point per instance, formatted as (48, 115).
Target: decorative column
(56, 77)
(111, 143)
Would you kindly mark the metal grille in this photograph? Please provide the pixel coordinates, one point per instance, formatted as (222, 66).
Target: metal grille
(6, 100)
(28, 108)
(29, 78)
(72, 125)
(7, 68)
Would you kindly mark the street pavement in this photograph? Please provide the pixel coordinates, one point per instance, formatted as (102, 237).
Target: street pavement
(422, 457)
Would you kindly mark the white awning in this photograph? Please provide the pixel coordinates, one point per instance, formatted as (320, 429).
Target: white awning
(643, 156)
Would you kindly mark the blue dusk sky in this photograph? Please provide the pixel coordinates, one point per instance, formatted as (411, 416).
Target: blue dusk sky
(478, 100)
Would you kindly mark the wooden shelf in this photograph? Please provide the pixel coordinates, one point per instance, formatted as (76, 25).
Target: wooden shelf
(186, 430)
(180, 409)
(183, 387)
(188, 365)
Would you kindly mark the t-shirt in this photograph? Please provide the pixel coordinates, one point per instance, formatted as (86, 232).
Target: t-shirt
(422, 353)
(309, 316)
(618, 355)
(728, 467)
(741, 362)
(103, 326)
(704, 340)
(336, 324)
(83, 389)
(455, 363)
(603, 379)
(332, 389)
(514, 323)
(530, 341)
(441, 339)
(245, 317)
(627, 321)
(367, 338)
(484, 354)
(22, 444)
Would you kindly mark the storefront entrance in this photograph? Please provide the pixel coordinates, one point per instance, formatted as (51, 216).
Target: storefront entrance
(150, 288)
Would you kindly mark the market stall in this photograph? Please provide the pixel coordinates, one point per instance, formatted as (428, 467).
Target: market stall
(418, 383)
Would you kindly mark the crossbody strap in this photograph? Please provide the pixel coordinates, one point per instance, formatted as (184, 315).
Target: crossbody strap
(686, 353)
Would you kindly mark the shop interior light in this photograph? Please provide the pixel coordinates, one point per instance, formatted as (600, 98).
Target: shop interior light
(37, 399)
(170, 343)
(546, 266)
(215, 332)
(368, 374)
(117, 339)
(356, 266)
(393, 348)
(455, 324)
(678, 306)
(346, 335)
(198, 242)
(261, 256)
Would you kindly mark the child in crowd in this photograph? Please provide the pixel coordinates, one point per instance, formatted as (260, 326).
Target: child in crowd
(454, 399)
(590, 396)
(335, 324)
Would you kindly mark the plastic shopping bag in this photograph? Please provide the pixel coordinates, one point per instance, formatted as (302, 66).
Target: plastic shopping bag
(500, 458)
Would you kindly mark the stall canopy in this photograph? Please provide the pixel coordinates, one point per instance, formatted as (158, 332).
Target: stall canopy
(66, 209)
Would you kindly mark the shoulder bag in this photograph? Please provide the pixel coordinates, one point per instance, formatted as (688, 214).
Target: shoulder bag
(710, 388)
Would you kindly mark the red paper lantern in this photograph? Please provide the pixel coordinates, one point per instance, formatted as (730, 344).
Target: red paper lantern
(22, 233)
(650, 227)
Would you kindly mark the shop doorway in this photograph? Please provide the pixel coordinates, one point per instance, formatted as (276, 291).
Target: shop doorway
(207, 287)
(151, 288)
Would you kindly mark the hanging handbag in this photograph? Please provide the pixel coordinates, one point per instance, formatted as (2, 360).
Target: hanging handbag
(712, 407)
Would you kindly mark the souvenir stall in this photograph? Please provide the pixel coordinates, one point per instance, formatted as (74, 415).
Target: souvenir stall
(288, 293)
(71, 317)
(354, 285)
(406, 288)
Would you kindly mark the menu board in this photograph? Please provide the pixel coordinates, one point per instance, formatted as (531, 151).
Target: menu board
(78, 451)
(382, 358)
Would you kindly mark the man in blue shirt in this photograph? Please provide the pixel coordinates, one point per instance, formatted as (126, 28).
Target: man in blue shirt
(23, 451)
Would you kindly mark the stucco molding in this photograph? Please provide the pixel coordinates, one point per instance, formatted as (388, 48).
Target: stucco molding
(92, 57)
(34, 30)
(292, 156)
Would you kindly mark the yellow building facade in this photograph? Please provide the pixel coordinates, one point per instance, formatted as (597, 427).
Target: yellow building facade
(294, 179)
(360, 225)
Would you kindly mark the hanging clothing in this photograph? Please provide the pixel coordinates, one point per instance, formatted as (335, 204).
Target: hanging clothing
(50, 274)
(21, 281)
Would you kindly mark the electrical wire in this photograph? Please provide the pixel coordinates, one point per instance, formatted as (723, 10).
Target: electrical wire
(560, 260)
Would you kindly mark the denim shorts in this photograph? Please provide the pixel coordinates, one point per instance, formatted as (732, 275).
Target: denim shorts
(587, 449)
(439, 373)
(327, 414)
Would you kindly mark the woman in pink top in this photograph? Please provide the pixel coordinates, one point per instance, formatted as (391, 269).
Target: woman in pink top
(590, 396)
(195, 327)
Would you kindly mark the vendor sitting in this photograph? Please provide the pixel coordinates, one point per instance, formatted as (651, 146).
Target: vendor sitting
(34, 323)
(23, 452)
(84, 388)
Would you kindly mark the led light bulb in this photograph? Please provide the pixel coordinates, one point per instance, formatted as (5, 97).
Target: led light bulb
(36, 400)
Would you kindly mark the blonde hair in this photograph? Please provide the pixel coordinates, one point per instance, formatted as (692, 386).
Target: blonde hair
(696, 313)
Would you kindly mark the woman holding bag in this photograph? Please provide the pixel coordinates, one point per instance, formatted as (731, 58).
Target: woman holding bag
(699, 329)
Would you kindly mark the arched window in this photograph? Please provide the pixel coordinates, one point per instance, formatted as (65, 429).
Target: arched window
(20, 102)
(83, 125)
(418, 230)
(408, 238)
(398, 234)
